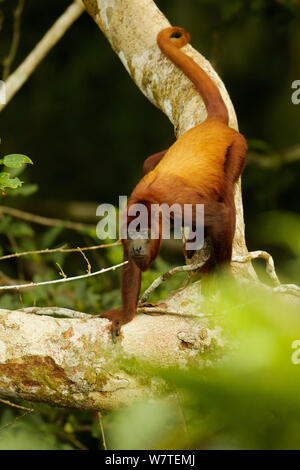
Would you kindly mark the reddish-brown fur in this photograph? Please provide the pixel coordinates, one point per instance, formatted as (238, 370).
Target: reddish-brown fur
(201, 167)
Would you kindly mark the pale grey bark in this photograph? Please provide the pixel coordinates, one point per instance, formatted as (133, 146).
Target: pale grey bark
(72, 361)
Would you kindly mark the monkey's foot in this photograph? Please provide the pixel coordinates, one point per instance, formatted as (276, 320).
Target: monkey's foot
(117, 318)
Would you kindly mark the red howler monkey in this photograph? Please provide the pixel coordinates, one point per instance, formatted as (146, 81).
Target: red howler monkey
(201, 167)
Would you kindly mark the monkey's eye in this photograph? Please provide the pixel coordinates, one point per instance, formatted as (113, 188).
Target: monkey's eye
(176, 34)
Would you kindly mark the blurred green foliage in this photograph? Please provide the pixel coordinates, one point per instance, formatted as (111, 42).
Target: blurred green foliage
(249, 400)
(86, 125)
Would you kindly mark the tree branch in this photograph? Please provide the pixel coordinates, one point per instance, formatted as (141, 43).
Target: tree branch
(47, 221)
(7, 61)
(30, 285)
(55, 33)
(74, 363)
(61, 249)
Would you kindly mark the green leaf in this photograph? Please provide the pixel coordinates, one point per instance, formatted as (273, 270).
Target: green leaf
(7, 182)
(16, 160)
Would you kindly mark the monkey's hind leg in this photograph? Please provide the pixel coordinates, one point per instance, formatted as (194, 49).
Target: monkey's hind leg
(151, 162)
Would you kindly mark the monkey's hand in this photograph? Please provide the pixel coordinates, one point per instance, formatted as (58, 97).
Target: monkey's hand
(117, 317)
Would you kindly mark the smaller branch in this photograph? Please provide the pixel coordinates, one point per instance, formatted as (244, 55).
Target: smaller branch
(270, 267)
(7, 61)
(163, 311)
(102, 430)
(61, 271)
(58, 281)
(18, 418)
(182, 419)
(72, 439)
(14, 405)
(55, 311)
(291, 289)
(163, 277)
(89, 268)
(55, 33)
(59, 250)
(38, 219)
(67, 313)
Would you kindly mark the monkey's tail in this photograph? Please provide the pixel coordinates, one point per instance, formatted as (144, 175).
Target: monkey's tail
(170, 40)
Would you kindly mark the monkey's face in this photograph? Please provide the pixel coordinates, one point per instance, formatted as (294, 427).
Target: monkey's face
(139, 248)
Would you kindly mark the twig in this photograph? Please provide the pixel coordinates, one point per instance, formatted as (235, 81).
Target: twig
(14, 405)
(55, 33)
(72, 439)
(163, 311)
(59, 250)
(182, 418)
(89, 268)
(67, 313)
(270, 267)
(18, 418)
(163, 277)
(291, 289)
(58, 281)
(102, 430)
(49, 222)
(61, 271)
(55, 311)
(7, 61)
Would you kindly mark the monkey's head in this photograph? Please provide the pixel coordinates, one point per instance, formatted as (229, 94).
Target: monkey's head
(139, 248)
(176, 35)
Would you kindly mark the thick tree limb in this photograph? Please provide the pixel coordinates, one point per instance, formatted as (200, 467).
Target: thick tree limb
(73, 362)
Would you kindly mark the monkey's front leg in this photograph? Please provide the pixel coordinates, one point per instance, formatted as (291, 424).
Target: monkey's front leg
(130, 287)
